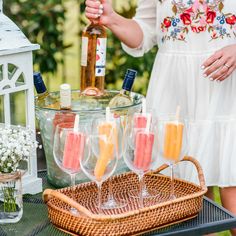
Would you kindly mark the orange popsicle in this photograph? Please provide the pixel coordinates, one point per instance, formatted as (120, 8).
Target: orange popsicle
(173, 141)
(110, 131)
(106, 147)
(106, 154)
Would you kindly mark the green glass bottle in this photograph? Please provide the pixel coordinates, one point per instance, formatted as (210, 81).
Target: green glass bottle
(44, 99)
(123, 99)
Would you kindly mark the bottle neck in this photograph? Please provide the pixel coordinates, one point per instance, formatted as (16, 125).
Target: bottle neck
(43, 94)
(39, 85)
(125, 92)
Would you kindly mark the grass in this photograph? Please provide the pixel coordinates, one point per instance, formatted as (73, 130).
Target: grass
(217, 199)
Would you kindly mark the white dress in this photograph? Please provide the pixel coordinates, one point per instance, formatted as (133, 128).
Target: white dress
(187, 32)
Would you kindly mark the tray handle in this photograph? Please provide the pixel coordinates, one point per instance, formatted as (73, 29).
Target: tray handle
(197, 165)
(49, 193)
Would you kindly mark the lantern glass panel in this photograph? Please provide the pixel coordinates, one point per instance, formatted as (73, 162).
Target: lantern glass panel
(2, 120)
(18, 108)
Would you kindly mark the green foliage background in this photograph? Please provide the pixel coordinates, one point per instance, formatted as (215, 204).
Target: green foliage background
(43, 22)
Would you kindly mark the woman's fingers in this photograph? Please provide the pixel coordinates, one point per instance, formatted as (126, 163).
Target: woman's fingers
(94, 9)
(211, 60)
(93, 4)
(221, 64)
(227, 74)
(214, 69)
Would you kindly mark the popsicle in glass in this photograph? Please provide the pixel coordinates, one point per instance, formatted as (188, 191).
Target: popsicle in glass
(74, 147)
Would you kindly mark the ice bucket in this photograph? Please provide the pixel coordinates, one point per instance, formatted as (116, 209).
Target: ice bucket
(88, 108)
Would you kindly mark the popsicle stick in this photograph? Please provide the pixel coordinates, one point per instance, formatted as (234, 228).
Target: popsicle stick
(76, 124)
(177, 114)
(144, 106)
(148, 123)
(108, 114)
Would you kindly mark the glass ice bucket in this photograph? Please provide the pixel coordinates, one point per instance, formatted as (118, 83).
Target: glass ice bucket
(88, 108)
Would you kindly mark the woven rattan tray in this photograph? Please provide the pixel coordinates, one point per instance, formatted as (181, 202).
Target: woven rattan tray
(157, 212)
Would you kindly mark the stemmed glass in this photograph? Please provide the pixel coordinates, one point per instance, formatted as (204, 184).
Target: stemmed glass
(138, 122)
(68, 149)
(138, 155)
(100, 161)
(111, 128)
(172, 143)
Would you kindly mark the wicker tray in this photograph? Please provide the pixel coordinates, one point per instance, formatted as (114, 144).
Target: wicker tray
(158, 212)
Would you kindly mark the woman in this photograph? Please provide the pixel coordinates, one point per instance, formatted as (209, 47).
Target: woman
(195, 68)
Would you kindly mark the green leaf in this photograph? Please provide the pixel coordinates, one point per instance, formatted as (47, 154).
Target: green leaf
(174, 9)
(221, 6)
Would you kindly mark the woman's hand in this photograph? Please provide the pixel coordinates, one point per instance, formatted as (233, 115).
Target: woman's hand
(222, 64)
(99, 11)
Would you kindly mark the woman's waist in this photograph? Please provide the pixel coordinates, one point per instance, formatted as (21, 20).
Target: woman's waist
(197, 48)
(186, 52)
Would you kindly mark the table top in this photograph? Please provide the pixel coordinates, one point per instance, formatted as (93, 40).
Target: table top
(212, 218)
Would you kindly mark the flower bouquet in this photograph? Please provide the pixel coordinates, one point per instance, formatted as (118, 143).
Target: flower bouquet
(16, 144)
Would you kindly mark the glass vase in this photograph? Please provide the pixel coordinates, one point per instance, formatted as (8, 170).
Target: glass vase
(11, 204)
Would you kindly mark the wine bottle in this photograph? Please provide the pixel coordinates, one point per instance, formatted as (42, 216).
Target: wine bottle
(123, 98)
(44, 99)
(93, 60)
(65, 97)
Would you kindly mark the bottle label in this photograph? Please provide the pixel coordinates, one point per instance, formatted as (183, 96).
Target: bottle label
(101, 56)
(84, 51)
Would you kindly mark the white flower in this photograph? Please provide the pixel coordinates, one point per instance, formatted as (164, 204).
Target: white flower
(16, 145)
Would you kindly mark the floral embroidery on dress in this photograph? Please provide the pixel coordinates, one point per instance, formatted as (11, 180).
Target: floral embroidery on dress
(198, 16)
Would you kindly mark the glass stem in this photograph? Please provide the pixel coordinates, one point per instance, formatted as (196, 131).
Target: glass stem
(141, 184)
(99, 197)
(172, 187)
(72, 178)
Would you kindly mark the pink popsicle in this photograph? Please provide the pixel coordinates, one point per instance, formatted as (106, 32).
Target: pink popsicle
(140, 141)
(140, 121)
(147, 159)
(73, 151)
(143, 151)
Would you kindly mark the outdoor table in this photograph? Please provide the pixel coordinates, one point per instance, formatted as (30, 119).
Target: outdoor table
(212, 218)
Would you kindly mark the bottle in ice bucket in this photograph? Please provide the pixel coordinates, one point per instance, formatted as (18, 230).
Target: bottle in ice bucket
(65, 97)
(93, 60)
(123, 98)
(65, 117)
(44, 99)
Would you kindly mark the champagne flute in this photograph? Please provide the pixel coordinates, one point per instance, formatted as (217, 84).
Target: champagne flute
(110, 127)
(100, 161)
(172, 143)
(138, 154)
(68, 149)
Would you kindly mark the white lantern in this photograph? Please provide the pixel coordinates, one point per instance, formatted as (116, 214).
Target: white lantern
(16, 75)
